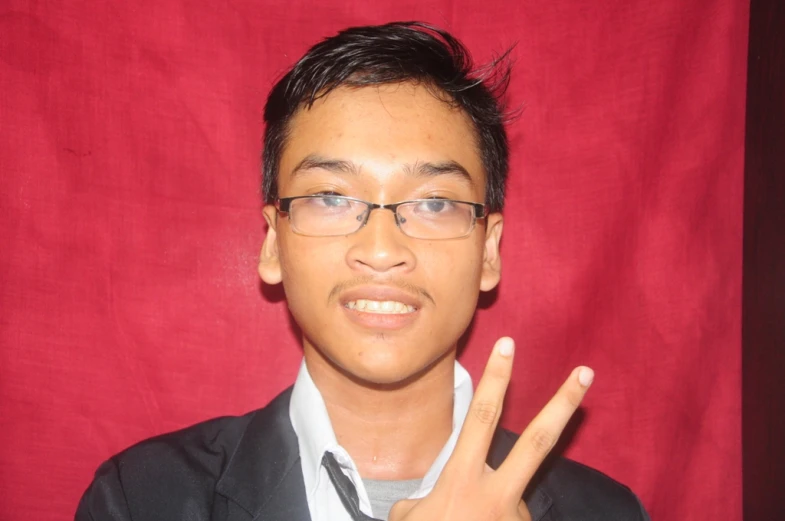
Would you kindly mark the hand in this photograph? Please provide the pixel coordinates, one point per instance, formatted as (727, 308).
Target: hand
(470, 490)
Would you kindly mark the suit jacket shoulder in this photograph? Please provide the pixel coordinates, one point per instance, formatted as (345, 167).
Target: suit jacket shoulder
(588, 494)
(567, 490)
(225, 468)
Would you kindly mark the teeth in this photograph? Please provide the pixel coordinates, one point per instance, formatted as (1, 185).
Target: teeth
(375, 306)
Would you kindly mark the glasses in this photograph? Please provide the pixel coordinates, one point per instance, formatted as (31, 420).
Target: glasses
(333, 215)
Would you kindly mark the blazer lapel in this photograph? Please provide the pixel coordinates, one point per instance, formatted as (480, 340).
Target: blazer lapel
(287, 502)
(264, 476)
(537, 499)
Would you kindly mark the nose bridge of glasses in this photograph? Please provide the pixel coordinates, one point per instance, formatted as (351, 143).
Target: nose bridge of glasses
(389, 207)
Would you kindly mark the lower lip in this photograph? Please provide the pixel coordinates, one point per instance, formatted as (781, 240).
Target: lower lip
(381, 320)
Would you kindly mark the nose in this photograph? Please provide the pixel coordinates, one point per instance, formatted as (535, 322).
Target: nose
(380, 247)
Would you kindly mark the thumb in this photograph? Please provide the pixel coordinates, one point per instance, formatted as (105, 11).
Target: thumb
(401, 509)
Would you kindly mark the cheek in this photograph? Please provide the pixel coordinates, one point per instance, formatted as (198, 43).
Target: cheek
(304, 265)
(453, 272)
(454, 282)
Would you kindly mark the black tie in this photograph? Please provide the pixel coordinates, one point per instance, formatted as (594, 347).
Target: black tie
(345, 488)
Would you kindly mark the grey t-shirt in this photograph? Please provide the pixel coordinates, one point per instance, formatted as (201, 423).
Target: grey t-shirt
(383, 494)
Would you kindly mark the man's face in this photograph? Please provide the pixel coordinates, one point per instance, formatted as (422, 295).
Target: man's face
(383, 134)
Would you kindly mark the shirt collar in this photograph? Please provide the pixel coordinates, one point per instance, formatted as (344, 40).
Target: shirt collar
(312, 425)
(315, 433)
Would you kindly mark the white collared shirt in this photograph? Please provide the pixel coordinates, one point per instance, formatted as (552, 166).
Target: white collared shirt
(315, 436)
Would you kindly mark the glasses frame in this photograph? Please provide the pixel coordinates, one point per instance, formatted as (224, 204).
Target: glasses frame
(282, 204)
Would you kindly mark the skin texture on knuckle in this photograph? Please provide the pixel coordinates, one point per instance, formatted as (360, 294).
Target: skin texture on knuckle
(542, 441)
(485, 412)
(496, 512)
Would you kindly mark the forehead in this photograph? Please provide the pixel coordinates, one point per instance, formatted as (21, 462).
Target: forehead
(380, 129)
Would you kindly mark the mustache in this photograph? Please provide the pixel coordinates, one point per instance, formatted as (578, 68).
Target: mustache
(369, 280)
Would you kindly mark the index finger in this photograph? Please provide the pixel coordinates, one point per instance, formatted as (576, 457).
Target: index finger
(541, 435)
(485, 409)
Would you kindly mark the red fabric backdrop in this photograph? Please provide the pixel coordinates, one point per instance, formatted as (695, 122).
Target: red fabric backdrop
(130, 226)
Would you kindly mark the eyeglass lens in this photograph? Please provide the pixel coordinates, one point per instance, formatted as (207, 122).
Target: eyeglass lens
(425, 219)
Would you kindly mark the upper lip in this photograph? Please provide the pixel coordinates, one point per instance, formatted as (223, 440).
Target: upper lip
(381, 294)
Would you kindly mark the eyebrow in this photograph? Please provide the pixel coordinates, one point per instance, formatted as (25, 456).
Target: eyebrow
(313, 161)
(418, 169)
(429, 169)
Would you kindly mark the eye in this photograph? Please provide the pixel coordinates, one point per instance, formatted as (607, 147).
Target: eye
(435, 205)
(331, 199)
(334, 202)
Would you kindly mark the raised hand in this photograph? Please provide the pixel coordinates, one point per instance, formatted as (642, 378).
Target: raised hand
(469, 490)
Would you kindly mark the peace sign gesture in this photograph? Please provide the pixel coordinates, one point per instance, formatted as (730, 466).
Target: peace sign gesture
(470, 490)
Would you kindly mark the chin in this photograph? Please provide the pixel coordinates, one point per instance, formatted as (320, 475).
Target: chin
(387, 369)
(374, 358)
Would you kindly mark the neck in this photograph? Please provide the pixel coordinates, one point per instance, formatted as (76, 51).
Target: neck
(392, 431)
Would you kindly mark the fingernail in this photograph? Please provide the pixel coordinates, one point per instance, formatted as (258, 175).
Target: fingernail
(506, 347)
(585, 376)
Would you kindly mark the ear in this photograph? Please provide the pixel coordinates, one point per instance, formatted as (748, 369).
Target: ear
(492, 261)
(269, 260)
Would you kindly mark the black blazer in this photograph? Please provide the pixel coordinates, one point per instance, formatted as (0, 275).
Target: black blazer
(248, 468)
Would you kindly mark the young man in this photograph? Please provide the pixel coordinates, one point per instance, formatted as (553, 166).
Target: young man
(384, 169)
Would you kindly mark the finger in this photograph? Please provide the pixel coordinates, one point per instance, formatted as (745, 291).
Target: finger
(400, 509)
(542, 433)
(523, 512)
(485, 409)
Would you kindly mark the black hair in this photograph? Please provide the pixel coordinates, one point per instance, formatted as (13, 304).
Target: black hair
(394, 53)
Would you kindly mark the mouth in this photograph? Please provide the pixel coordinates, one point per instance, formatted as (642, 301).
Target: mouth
(381, 307)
